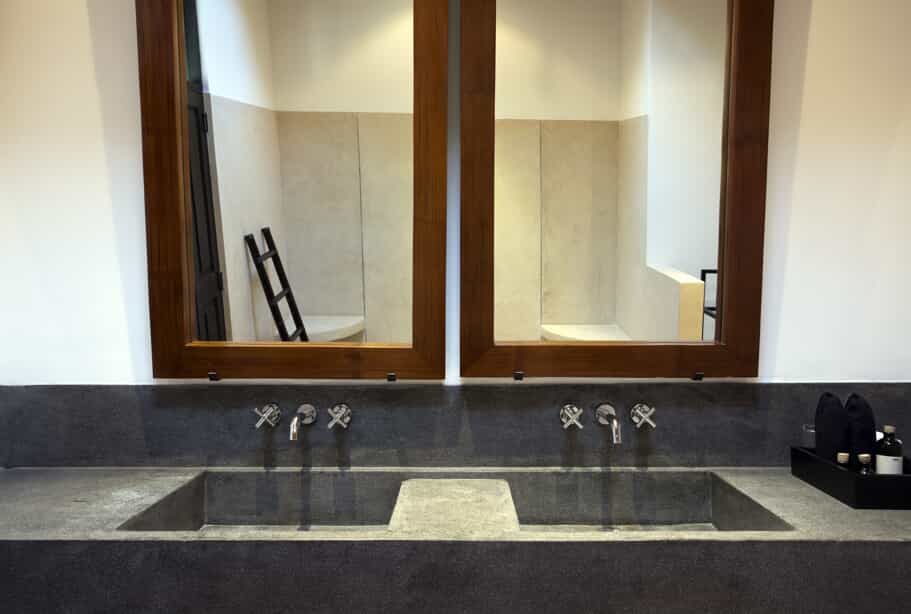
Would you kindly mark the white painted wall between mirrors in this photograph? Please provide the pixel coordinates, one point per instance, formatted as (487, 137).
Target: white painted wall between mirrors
(835, 284)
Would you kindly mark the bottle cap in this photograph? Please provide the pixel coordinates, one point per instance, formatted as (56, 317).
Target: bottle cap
(889, 429)
(864, 458)
(842, 458)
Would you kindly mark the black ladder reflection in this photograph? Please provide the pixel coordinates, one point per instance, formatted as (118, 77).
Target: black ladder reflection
(273, 299)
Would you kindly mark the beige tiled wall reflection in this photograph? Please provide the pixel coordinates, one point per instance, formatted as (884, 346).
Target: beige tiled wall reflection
(517, 231)
(570, 204)
(554, 225)
(246, 173)
(348, 199)
(578, 218)
(387, 199)
(321, 196)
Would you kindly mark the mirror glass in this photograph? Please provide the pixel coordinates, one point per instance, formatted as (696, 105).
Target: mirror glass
(608, 159)
(301, 166)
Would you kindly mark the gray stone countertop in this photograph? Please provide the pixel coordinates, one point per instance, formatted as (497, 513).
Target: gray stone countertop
(90, 503)
(55, 501)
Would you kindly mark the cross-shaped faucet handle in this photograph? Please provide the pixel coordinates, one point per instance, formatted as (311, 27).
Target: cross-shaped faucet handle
(642, 414)
(340, 415)
(569, 416)
(269, 414)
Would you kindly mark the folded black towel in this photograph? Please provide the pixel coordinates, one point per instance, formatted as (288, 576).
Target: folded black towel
(833, 433)
(862, 426)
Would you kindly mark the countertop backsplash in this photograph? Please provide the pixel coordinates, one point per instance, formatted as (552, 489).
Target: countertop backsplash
(413, 425)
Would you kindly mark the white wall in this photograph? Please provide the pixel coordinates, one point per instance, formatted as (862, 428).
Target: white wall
(558, 60)
(653, 303)
(686, 111)
(310, 55)
(635, 52)
(236, 48)
(74, 297)
(836, 286)
(343, 55)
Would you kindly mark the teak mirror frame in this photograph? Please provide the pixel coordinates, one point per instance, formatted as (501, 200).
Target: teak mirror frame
(735, 353)
(165, 161)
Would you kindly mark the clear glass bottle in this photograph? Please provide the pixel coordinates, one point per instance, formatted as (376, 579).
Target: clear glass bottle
(889, 459)
(866, 464)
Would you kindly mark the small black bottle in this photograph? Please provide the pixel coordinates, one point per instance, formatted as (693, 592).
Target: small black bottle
(865, 464)
(889, 459)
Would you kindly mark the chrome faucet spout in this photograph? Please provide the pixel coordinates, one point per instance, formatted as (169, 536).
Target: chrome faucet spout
(295, 428)
(607, 416)
(616, 436)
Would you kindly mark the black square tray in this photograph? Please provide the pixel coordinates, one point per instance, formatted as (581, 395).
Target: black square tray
(867, 492)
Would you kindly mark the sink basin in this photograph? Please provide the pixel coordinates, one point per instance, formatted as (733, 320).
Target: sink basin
(543, 500)
(637, 500)
(280, 497)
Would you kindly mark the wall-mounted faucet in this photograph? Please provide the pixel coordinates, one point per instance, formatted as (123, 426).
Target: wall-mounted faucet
(607, 416)
(270, 414)
(306, 415)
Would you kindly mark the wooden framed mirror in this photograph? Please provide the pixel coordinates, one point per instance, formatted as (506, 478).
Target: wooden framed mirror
(324, 123)
(613, 164)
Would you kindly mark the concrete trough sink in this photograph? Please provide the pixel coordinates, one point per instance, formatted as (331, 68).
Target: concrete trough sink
(457, 502)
